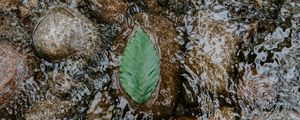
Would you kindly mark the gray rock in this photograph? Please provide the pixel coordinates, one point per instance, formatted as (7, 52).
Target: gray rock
(64, 32)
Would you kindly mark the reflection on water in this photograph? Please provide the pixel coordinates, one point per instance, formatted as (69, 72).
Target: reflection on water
(237, 60)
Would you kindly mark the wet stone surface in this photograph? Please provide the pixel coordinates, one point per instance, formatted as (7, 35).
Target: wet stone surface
(176, 6)
(219, 59)
(6, 4)
(19, 69)
(68, 32)
(12, 72)
(103, 105)
(209, 62)
(110, 11)
(50, 110)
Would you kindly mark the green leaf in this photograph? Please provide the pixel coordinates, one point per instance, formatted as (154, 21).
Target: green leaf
(139, 67)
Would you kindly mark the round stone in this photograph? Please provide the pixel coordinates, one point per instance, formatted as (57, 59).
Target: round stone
(12, 70)
(62, 32)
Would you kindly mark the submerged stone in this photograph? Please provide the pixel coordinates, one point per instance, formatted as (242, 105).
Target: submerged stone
(7, 4)
(224, 113)
(176, 6)
(64, 32)
(12, 72)
(102, 106)
(268, 86)
(18, 66)
(55, 109)
(109, 10)
(210, 59)
(67, 87)
(185, 118)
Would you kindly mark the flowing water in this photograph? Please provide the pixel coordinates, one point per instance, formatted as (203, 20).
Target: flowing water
(236, 60)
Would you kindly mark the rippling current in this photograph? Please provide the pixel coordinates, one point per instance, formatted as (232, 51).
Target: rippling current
(237, 60)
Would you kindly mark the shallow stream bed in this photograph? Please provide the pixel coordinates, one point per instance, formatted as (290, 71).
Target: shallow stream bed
(218, 59)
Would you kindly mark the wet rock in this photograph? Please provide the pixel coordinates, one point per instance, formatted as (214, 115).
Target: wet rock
(23, 12)
(188, 94)
(14, 36)
(210, 57)
(179, 110)
(109, 10)
(225, 113)
(17, 37)
(21, 76)
(11, 28)
(7, 4)
(72, 2)
(270, 8)
(257, 91)
(289, 13)
(162, 101)
(61, 85)
(50, 110)
(28, 13)
(137, 6)
(185, 118)
(31, 4)
(173, 10)
(176, 6)
(209, 76)
(265, 83)
(66, 87)
(257, 9)
(64, 81)
(153, 6)
(102, 106)
(12, 72)
(64, 32)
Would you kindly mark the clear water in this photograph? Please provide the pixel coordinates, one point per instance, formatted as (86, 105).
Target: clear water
(239, 60)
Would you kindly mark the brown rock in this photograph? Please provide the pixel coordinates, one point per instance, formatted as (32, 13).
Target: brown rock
(64, 32)
(23, 12)
(153, 6)
(24, 74)
(185, 118)
(50, 110)
(15, 37)
(12, 71)
(5, 4)
(70, 2)
(67, 87)
(10, 28)
(173, 10)
(109, 10)
(60, 84)
(224, 113)
(210, 56)
(176, 6)
(30, 4)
